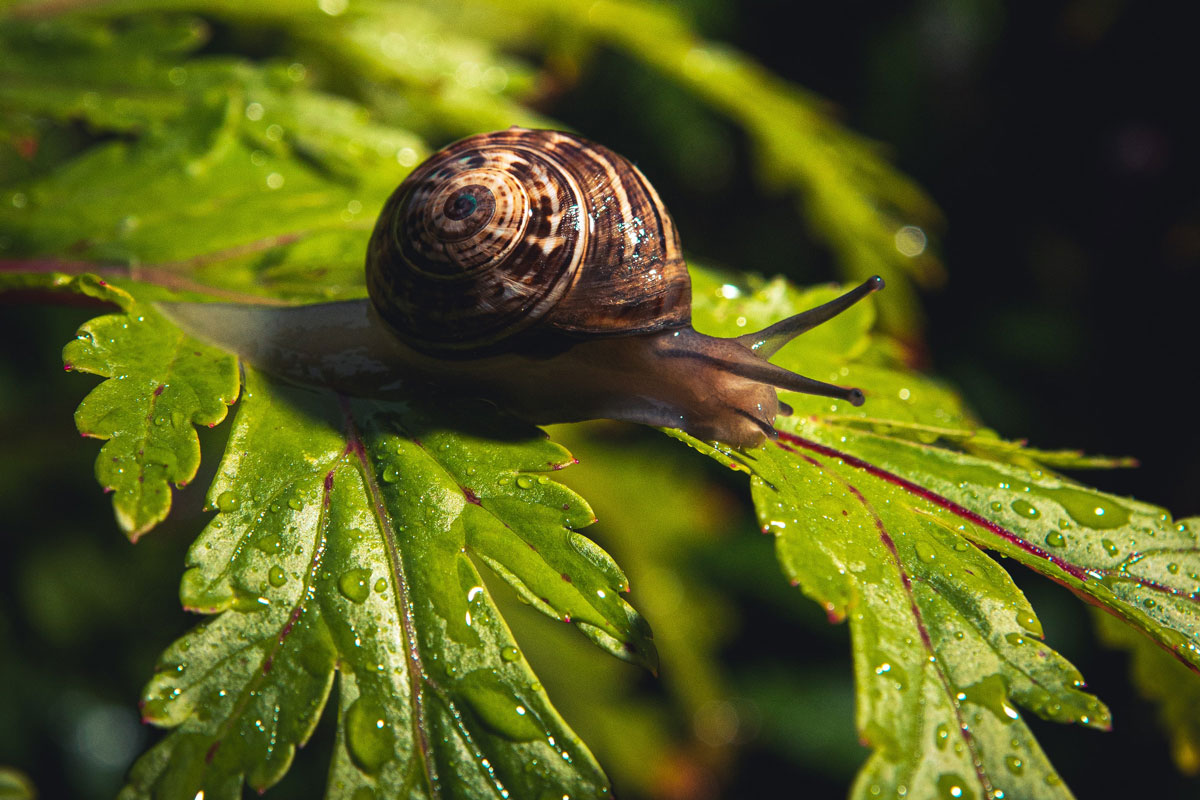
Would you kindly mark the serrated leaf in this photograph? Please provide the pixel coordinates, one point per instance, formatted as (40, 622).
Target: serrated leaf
(344, 540)
(878, 518)
(160, 385)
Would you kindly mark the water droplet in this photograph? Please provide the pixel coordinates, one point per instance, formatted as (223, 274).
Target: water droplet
(1014, 638)
(953, 787)
(996, 506)
(368, 736)
(510, 653)
(270, 543)
(992, 694)
(1088, 508)
(1173, 568)
(1025, 509)
(496, 706)
(1109, 547)
(1052, 779)
(276, 576)
(524, 481)
(295, 503)
(926, 553)
(942, 735)
(1030, 623)
(1055, 539)
(381, 585)
(961, 546)
(228, 501)
(1015, 765)
(391, 474)
(353, 584)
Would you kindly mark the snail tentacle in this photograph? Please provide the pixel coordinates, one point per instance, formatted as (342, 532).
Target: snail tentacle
(769, 340)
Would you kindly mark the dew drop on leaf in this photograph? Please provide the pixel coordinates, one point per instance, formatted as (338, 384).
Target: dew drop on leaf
(276, 576)
(1089, 509)
(496, 707)
(368, 736)
(353, 584)
(942, 735)
(953, 787)
(992, 694)
(525, 482)
(1109, 547)
(1015, 765)
(510, 653)
(1025, 509)
(228, 501)
(271, 543)
(1030, 623)
(1055, 539)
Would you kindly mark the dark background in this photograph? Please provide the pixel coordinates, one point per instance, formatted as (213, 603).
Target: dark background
(1058, 138)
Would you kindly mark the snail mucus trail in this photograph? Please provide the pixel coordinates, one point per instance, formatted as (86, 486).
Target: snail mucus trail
(542, 272)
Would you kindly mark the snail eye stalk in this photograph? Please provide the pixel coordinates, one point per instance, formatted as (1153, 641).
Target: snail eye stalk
(769, 340)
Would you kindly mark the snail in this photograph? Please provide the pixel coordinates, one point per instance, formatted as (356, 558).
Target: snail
(540, 271)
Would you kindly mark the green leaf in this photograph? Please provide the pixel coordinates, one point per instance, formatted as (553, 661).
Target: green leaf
(345, 540)
(880, 519)
(160, 384)
(69, 70)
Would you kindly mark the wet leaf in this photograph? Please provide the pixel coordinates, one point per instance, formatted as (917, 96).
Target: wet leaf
(346, 539)
(159, 385)
(881, 514)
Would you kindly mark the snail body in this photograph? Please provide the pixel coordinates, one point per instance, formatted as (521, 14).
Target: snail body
(542, 272)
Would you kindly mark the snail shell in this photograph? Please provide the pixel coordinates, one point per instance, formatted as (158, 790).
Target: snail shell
(504, 232)
(539, 271)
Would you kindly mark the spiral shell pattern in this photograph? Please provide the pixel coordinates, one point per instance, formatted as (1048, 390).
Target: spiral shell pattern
(505, 232)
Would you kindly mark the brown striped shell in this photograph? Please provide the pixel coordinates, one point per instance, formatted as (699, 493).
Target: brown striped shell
(507, 233)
